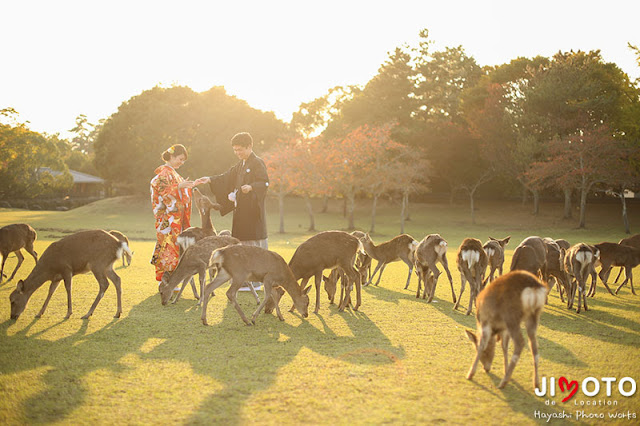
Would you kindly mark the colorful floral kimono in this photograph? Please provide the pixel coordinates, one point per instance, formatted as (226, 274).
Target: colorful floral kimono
(172, 211)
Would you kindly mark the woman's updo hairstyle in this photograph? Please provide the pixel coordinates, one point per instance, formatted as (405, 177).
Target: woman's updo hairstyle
(174, 151)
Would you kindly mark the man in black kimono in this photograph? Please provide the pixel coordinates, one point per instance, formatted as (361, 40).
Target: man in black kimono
(243, 189)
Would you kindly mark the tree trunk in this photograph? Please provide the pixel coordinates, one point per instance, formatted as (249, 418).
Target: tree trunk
(407, 211)
(373, 214)
(402, 213)
(625, 218)
(312, 222)
(525, 195)
(350, 209)
(281, 195)
(567, 203)
(344, 206)
(325, 204)
(583, 207)
(536, 202)
(471, 201)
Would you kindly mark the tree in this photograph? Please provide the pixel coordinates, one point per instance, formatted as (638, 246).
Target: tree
(130, 143)
(281, 170)
(23, 154)
(581, 160)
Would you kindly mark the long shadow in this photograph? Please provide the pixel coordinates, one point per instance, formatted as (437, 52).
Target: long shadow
(243, 360)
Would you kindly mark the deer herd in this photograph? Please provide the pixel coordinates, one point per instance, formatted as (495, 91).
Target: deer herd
(502, 304)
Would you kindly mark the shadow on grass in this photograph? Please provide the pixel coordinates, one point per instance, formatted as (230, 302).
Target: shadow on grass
(243, 360)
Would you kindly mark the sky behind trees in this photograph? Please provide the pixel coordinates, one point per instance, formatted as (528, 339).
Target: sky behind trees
(67, 58)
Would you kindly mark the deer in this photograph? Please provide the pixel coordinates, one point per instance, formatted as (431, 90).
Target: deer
(633, 241)
(554, 267)
(126, 257)
(196, 259)
(472, 263)
(432, 249)
(401, 247)
(578, 262)
(495, 251)
(13, 238)
(502, 306)
(240, 263)
(531, 256)
(612, 254)
(363, 260)
(328, 250)
(193, 234)
(86, 251)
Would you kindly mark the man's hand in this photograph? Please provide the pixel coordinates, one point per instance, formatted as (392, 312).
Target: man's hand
(246, 189)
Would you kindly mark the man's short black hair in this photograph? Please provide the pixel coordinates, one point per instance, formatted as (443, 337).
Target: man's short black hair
(243, 139)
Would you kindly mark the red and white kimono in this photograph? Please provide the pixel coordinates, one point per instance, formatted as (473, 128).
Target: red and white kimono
(172, 211)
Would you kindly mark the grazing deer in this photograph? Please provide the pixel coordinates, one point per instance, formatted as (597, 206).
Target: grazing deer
(12, 239)
(86, 251)
(327, 250)
(240, 263)
(502, 306)
(633, 241)
(495, 251)
(472, 263)
(432, 249)
(554, 267)
(126, 257)
(363, 260)
(531, 256)
(401, 247)
(612, 254)
(196, 259)
(193, 234)
(578, 262)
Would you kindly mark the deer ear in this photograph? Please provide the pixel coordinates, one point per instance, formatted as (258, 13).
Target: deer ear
(306, 290)
(492, 239)
(506, 240)
(472, 336)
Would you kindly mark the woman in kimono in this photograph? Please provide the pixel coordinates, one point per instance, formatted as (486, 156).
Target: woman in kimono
(171, 200)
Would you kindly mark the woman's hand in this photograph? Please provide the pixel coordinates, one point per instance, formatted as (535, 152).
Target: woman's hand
(186, 184)
(204, 179)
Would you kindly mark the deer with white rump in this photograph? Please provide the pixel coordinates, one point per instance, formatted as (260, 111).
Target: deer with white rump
(502, 306)
(579, 263)
(401, 247)
(612, 254)
(126, 255)
(13, 238)
(86, 251)
(239, 264)
(495, 252)
(432, 249)
(472, 264)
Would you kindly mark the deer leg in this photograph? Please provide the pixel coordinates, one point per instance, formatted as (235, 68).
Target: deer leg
(631, 283)
(505, 350)
(445, 264)
(318, 282)
(356, 278)
(183, 285)
(421, 275)
(192, 282)
(532, 326)
(463, 281)
(222, 277)
(52, 288)
(115, 279)
(104, 284)
(434, 282)
(2, 275)
(604, 276)
(267, 292)
(384, 265)
(618, 276)
(231, 295)
(20, 260)
(518, 343)
(472, 296)
(378, 266)
(66, 276)
(410, 265)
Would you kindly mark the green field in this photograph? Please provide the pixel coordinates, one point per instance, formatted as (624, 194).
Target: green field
(397, 360)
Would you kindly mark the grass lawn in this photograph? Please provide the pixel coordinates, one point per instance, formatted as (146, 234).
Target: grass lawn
(397, 360)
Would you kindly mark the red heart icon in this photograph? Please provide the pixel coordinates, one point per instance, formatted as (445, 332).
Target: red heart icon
(562, 382)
